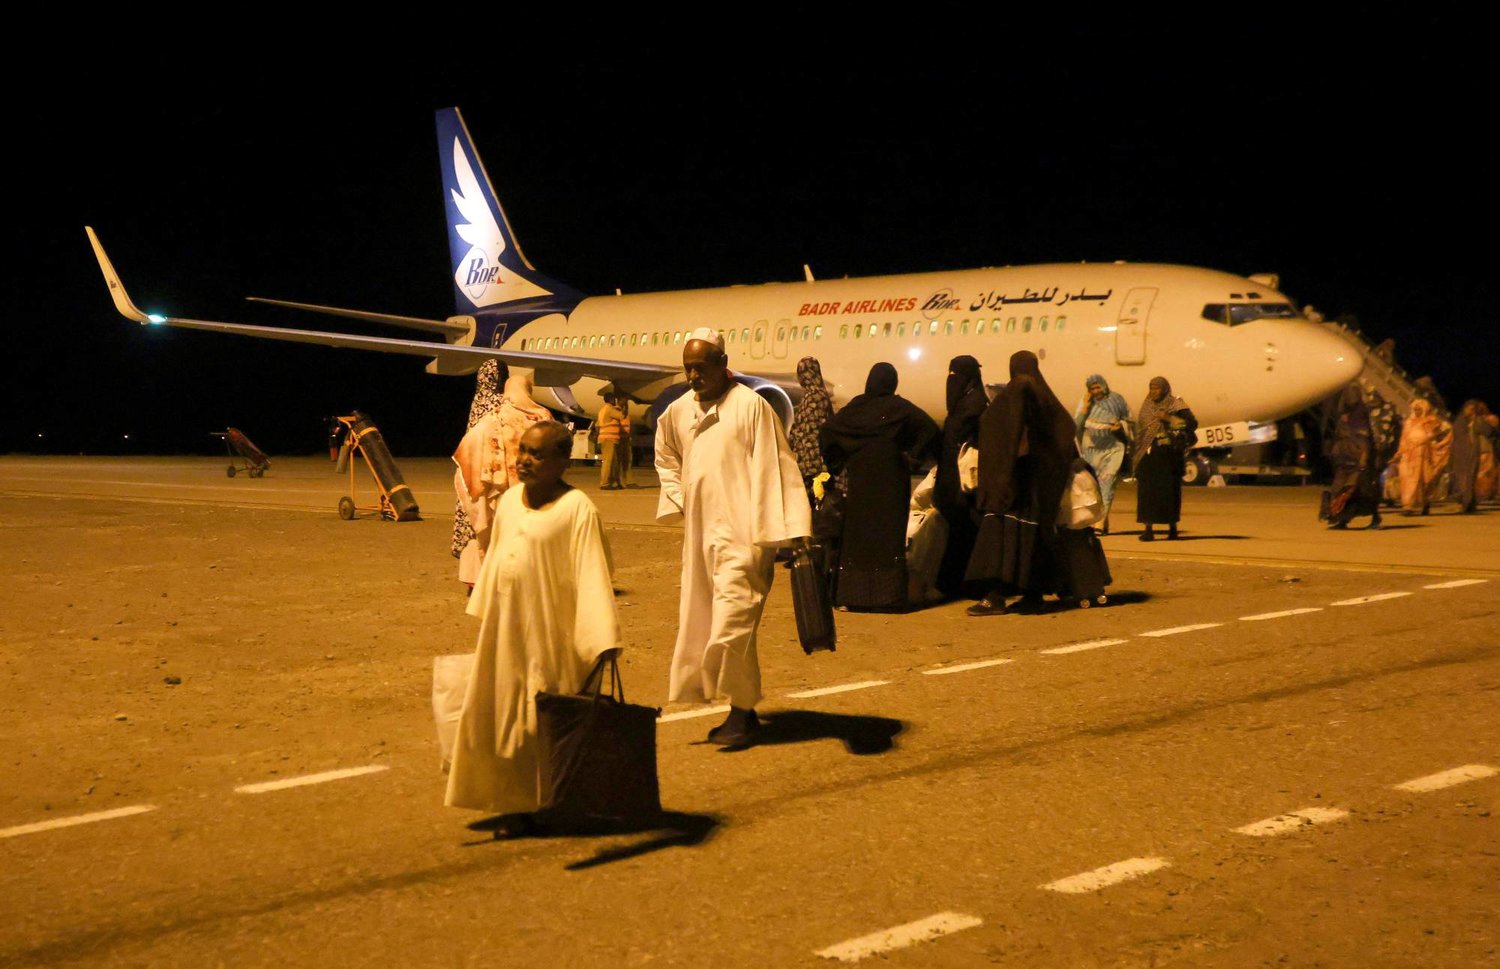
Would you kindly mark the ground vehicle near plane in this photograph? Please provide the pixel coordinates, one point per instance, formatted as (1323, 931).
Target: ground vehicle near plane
(1236, 349)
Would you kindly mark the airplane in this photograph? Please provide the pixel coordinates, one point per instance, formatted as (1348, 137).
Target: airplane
(1237, 350)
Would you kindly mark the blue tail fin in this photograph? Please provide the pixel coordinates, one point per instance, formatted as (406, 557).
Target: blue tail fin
(488, 267)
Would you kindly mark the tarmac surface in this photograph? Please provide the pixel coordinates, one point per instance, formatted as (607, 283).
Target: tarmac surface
(1279, 745)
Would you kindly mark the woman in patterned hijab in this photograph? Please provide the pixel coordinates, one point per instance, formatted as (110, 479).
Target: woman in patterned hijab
(813, 411)
(487, 396)
(1164, 429)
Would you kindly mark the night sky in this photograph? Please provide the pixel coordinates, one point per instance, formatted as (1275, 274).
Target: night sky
(1352, 157)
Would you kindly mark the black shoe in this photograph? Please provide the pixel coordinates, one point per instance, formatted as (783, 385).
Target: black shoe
(736, 730)
(1375, 521)
(1172, 534)
(1147, 537)
(987, 607)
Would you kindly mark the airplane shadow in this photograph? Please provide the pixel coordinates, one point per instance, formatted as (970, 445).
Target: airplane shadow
(861, 736)
(667, 829)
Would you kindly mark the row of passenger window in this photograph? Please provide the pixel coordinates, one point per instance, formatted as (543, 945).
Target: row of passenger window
(806, 333)
(946, 327)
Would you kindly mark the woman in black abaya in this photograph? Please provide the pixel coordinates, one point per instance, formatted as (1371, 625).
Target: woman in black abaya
(1026, 452)
(966, 401)
(878, 439)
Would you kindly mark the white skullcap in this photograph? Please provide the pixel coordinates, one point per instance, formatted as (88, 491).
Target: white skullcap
(708, 335)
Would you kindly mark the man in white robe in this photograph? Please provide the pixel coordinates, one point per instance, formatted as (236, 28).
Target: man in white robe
(728, 474)
(547, 614)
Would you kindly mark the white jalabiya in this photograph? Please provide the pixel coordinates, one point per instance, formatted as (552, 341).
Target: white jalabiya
(547, 611)
(728, 474)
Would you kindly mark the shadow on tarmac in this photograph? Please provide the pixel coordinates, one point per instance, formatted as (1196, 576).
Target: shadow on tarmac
(669, 829)
(1184, 537)
(859, 735)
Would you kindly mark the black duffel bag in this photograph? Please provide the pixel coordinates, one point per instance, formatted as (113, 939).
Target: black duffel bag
(597, 753)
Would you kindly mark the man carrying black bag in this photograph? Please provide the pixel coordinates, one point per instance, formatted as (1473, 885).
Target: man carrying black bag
(547, 618)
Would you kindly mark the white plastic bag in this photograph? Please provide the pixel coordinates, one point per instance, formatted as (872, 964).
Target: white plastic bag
(1082, 505)
(968, 468)
(450, 681)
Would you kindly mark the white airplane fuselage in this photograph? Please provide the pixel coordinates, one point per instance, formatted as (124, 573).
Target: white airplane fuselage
(1149, 322)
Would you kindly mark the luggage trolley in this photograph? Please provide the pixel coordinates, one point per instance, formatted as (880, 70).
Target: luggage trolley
(241, 449)
(396, 500)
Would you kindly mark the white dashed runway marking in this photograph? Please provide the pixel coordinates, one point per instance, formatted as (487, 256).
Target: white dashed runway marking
(1361, 600)
(1181, 629)
(1295, 821)
(1281, 615)
(1447, 778)
(305, 779)
(1455, 584)
(965, 667)
(1120, 871)
(932, 927)
(1080, 647)
(829, 690)
(692, 714)
(76, 819)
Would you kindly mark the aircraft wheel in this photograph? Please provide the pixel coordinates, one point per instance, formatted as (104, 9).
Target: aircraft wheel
(1196, 471)
(346, 508)
(230, 472)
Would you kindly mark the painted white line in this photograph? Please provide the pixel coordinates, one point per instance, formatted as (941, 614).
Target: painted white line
(692, 714)
(1281, 615)
(847, 687)
(1361, 600)
(925, 930)
(1080, 647)
(305, 779)
(1120, 871)
(69, 822)
(1455, 584)
(965, 667)
(1448, 778)
(1181, 629)
(1296, 820)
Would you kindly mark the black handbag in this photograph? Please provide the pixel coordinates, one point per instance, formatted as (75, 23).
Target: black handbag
(811, 603)
(597, 753)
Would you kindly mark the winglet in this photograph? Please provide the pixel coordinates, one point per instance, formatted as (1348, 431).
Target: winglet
(112, 279)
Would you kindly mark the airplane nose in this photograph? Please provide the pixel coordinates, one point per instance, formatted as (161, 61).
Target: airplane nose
(1319, 362)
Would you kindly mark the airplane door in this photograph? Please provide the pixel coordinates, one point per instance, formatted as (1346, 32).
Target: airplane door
(760, 339)
(1130, 331)
(779, 339)
(497, 339)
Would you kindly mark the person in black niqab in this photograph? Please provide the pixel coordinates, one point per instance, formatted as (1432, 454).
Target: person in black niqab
(1026, 453)
(966, 402)
(878, 440)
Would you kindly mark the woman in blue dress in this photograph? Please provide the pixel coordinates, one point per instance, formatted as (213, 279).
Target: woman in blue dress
(1103, 423)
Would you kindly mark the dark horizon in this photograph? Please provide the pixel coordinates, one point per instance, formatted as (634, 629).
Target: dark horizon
(1359, 177)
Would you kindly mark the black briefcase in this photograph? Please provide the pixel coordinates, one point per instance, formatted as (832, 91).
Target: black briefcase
(597, 753)
(811, 602)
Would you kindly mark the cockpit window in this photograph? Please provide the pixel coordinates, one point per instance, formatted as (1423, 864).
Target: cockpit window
(1233, 314)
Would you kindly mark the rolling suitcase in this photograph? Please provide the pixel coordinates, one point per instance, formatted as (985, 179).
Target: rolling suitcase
(1085, 571)
(811, 602)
